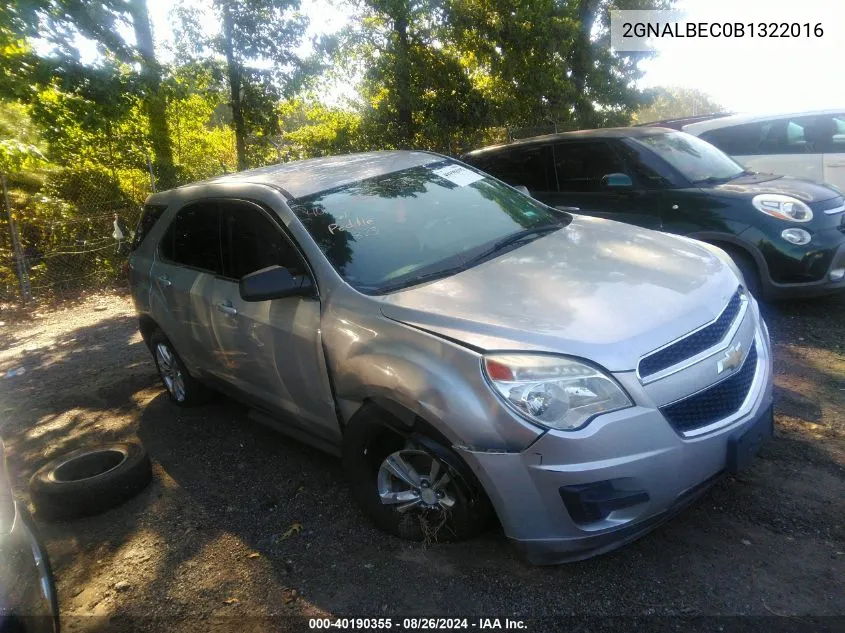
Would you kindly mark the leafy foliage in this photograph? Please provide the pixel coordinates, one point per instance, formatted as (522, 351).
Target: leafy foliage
(77, 135)
(257, 43)
(674, 102)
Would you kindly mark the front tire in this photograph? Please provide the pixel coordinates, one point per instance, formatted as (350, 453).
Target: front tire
(410, 484)
(182, 388)
(749, 270)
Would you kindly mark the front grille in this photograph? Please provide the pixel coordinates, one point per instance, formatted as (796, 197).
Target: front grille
(693, 344)
(714, 403)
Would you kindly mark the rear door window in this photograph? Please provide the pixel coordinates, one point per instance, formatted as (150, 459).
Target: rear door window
(193, 238)
(529, 167)
(251, 241)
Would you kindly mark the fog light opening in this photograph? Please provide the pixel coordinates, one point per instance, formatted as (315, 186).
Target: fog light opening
(799, 237)
(837, 274)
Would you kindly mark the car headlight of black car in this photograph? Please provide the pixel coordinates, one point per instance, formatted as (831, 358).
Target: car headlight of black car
(782, 207)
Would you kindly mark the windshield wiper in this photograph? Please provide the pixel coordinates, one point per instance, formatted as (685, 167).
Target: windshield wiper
(714, 180)
(510, 240)
(514, 239)
(744, 172)
(418, 279)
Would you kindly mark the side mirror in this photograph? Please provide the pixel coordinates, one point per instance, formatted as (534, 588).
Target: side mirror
(274, 282)
(523, 190)
(616, 181)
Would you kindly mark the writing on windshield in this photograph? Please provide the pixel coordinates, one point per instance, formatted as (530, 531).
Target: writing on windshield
(381, 230)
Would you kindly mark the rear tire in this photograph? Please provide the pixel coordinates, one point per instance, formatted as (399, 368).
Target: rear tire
(411, 485)
(182, 388)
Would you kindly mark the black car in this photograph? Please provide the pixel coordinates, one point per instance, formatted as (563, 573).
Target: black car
(27, 594)
(786, 235)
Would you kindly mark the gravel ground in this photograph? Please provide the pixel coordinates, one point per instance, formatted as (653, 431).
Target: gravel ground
(241, 523)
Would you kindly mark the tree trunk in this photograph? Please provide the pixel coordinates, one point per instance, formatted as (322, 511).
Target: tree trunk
(582, 59)
(234, 72)
(404, 112)
(154, 102)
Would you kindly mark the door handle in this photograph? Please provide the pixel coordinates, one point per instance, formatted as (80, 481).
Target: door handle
(163, 279)
(568, 208)
(227, 308)
(837, 164)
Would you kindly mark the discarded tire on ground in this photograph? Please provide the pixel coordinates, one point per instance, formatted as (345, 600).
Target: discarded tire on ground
(90, 480)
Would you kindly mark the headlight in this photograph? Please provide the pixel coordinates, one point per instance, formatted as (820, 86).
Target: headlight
(553, 391)
(782, 207)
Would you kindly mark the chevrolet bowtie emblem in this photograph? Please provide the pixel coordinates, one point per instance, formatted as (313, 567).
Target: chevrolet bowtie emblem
(731, 360)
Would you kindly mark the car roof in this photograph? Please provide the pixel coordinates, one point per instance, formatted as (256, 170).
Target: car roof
(602, 133)
(305, 177)
(739, 119)
(680, 123)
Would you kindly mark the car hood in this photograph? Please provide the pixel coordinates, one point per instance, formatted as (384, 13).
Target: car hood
(596, 289)
(805, 190)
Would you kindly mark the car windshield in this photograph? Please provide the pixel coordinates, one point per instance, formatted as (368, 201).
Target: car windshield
(698, 160)
(385, 233)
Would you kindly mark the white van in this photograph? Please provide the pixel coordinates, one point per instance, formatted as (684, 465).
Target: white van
(803, 144)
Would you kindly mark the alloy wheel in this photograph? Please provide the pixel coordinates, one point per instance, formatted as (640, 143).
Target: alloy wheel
(411, 478)
(170, 372)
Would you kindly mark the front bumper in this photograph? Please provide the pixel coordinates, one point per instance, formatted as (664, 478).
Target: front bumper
(634, 451)
(27, 592)
(796, 272)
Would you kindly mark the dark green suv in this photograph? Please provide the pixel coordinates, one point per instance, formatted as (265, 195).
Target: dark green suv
(786, 235)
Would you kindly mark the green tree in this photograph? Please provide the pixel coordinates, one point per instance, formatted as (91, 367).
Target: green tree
(200, 123)
(416, 89)
(674, 102)
(61, 22)
(312, 129)
(258, 41)
(19, 140)
(548, 61)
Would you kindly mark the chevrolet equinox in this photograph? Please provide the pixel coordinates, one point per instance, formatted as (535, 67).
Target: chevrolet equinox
(467, 350)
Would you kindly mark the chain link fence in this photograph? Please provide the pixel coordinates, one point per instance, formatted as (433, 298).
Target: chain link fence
(56, 242)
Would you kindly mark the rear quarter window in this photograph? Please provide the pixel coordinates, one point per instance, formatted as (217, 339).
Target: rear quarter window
(149, 216)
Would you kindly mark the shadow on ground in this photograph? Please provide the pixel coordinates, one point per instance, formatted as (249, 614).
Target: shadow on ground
(240, 521)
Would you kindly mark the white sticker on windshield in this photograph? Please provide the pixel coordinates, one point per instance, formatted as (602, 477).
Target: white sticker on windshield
(461, 176)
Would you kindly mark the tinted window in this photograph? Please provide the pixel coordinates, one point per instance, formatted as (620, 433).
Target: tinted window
(530, 167)
(825, 133)
(149, 216)
(252, 241)
(796, 135)
(193, 238)
(743, 140)
(387, 231)
(581, 166)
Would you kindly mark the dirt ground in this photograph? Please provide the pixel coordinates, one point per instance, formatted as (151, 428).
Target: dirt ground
(241, 523)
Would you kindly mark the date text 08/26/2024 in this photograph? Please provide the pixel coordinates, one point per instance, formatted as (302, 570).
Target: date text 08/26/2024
(417, 624)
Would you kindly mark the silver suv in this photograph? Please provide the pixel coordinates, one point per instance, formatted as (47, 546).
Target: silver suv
(467, 350)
